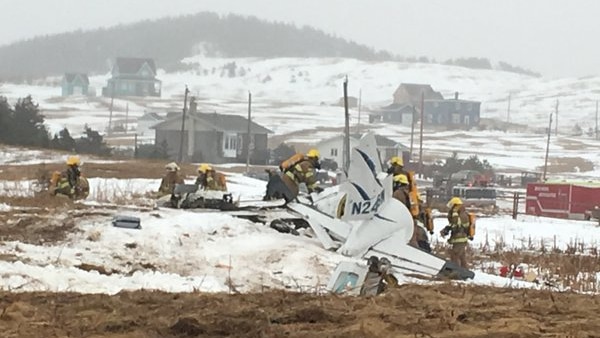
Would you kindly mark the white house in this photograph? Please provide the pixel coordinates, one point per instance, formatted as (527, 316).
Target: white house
(333, 148)
(145, 123)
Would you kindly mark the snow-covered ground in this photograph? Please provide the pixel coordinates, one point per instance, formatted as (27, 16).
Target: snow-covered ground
(292, 94)
(179, 250)
(182, 250)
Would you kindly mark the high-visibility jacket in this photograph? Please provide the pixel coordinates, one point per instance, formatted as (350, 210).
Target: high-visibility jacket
(303, 172)
(168, 182)
(459, 225)
(212, 180)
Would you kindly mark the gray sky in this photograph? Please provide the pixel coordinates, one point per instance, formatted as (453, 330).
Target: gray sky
(555, 37)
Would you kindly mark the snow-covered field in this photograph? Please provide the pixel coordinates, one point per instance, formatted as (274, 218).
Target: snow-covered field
(180, 250)
(292, 94)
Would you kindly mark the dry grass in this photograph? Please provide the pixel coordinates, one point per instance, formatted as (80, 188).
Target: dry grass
(574, 267)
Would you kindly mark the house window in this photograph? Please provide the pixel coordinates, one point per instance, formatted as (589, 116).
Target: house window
(469, 106)
(457, 105)
(334, 152)
(455, 118)
(124, 86)
(231, 142)
(467, 120)
(436, 104)
(429, 118)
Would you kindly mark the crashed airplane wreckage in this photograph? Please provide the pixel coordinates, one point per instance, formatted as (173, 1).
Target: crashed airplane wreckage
(358, 218)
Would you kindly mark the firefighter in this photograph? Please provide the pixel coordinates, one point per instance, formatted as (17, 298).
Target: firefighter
(68, 181)
(458, 228)
(401, 193)
(287, 186)
(397, 166)
(401, 189)
(209, 179)
(170, 180)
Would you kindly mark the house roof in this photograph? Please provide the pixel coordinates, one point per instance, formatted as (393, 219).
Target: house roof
(394, 107)
(133, 65)
(219, 122)
(450, 101)
(70, 77)
(381, 141)
(151, 116)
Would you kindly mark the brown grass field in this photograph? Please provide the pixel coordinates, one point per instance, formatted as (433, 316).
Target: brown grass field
(443, 310)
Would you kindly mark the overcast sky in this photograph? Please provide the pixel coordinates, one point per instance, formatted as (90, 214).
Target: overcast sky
(555, 37)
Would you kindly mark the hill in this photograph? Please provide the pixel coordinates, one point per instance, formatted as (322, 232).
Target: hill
(168, 41)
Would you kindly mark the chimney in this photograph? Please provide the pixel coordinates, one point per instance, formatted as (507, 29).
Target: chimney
(456, 95)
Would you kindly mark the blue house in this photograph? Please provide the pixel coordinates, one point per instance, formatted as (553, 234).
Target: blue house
(133, 77)
(75, 84)
(452, 112)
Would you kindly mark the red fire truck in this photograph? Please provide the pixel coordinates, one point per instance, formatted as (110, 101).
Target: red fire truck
(562, 200)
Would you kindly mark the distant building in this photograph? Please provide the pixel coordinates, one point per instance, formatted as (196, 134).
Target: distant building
(146, 122)
(133, 77)
(352, 102)
(410, 93)
(333, 148)
(214, 138)
(395, 113)
(452, 112)
(75, 84)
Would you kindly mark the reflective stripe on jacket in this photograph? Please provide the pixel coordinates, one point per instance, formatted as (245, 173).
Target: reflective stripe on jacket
(459, 225)
(303, 172)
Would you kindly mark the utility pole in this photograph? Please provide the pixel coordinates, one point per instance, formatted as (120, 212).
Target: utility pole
(359, 104)
(112, 100)
(556, 123)
(596, 130)
(508, 109)
(346, 128)
(180, 157)
(547, 148)
(412, 131)
(249, 135)
(126, 116)
(421, 134)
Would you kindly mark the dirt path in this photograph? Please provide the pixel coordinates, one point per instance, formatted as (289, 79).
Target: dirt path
(443, 310)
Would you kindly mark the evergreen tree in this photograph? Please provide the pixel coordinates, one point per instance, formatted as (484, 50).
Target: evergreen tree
(63, 141)
(27, 126)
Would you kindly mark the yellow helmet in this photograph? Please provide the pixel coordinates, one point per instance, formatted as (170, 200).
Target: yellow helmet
(401, 178)
(397, 160)
(204, 167)
(73, 160)
(313, 153)
(454, 201)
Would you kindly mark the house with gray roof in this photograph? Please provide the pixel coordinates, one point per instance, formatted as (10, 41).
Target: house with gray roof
(75, 84)
(395, 113)
(133, 77)
(213, 138)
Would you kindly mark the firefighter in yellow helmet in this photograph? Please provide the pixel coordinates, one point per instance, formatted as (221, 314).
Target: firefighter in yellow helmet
(210, 179)
(303, 170)
(458, 229)
(171, 179)
(68, 182)
(401, 189)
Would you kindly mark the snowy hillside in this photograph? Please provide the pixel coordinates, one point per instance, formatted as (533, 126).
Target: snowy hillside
(303, 88)
(296, 95)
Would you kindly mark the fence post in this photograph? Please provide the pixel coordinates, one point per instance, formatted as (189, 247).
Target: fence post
(515, 210)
